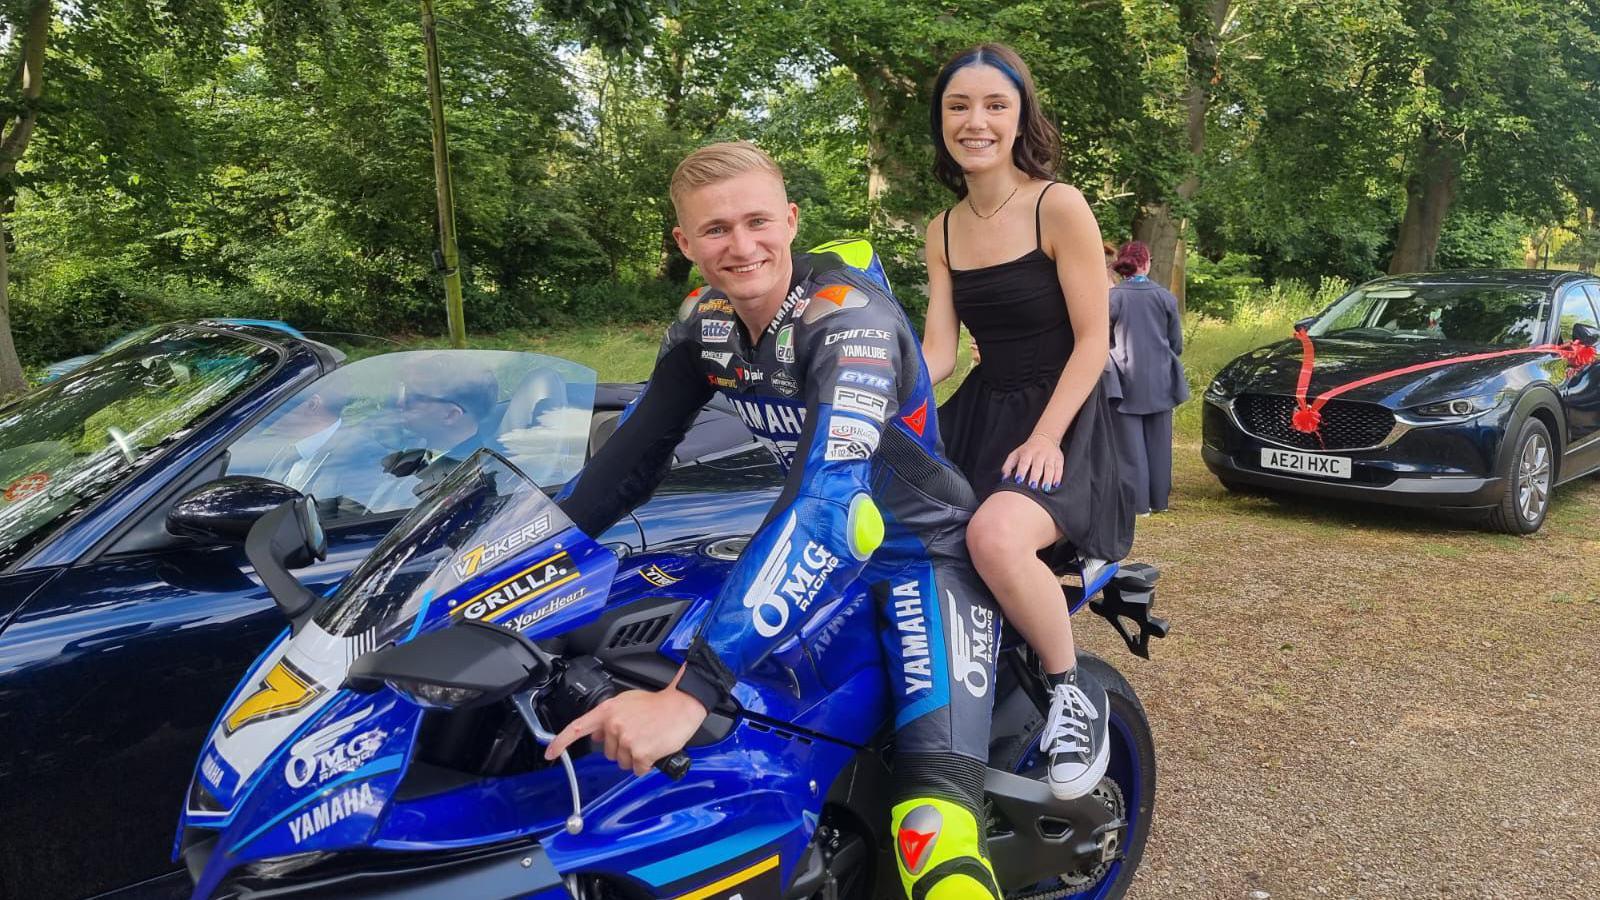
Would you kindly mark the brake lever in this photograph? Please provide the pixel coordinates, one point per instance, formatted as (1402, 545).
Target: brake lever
(523, 701)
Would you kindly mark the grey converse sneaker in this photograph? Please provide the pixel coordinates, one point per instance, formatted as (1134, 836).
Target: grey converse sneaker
(1075, 737)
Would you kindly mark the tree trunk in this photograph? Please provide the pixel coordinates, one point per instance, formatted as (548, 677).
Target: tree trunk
(1429, 193)
(12, 146)
(1156, 227)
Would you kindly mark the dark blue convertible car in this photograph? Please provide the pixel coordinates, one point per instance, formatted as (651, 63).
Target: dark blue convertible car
(1462, 390)
(119, 641)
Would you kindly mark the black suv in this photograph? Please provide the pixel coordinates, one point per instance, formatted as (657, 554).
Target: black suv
(1467, 390)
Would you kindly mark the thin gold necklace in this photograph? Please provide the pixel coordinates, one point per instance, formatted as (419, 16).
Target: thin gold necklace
(997, 208)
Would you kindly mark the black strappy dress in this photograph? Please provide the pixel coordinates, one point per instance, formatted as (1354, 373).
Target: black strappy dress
(1017, 313)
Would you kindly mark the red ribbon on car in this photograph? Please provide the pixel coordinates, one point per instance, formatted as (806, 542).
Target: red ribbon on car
(1307, 417)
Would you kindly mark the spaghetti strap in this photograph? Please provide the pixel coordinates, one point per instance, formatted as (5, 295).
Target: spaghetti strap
(947, 263)
(1038, 236)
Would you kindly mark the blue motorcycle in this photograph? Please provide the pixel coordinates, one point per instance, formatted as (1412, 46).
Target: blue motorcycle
(390, 742)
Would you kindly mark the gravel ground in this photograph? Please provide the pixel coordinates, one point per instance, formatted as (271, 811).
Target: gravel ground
(1362, 702)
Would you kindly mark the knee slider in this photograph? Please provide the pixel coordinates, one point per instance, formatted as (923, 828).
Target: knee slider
(939, 853)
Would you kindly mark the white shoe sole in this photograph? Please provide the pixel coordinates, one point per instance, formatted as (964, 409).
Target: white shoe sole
(1083, 784)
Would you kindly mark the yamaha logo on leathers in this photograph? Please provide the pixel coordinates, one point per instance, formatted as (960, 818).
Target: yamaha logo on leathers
(915, 666)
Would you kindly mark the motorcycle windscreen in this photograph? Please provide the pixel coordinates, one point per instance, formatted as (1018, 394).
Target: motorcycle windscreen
(487, 544)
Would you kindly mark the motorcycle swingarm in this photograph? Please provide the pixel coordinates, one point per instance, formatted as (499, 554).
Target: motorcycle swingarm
(1034, 837)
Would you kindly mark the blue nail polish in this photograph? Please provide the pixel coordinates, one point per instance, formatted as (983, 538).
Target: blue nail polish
(1033, 485)
(1019, 479)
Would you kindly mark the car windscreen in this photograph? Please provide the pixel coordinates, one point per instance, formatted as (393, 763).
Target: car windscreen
(1478, 314)
(65, 445)
(483, 512)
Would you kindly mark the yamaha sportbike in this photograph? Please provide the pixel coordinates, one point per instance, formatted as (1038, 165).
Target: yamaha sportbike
(390, 742)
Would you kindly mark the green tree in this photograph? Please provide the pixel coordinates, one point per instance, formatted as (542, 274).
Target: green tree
(1504, 112)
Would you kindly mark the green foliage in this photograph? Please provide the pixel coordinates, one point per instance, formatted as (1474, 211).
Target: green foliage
(1478, 241)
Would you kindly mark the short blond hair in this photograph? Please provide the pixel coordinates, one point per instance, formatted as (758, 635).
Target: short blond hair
(719, 162)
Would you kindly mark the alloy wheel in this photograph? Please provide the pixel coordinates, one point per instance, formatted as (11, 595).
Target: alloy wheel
(1533, 477)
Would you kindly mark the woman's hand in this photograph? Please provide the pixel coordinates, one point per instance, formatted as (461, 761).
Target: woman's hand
(1037, 463)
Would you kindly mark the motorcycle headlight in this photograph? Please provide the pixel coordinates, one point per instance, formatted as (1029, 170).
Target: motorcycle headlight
(434, 696)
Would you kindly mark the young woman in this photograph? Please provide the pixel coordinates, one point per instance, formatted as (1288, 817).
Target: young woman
(1019, 261)
(1148, 340)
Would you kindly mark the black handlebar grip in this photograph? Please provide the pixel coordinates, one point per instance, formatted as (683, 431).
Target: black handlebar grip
(675, 766)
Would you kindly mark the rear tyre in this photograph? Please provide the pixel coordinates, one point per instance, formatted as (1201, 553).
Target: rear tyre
(1130, 782)
(1529, 476)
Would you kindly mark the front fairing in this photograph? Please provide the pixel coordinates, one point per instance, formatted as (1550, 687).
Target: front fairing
(295, 764)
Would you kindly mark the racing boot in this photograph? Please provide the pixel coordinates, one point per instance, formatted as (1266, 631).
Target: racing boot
(1075, 736)
(939, 852)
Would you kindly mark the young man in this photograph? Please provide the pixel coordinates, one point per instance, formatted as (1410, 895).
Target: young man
(823, 365)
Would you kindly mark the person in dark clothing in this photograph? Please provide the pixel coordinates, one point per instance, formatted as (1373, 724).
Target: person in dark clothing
(1146, 340)
(1019, 261)
(823, 366)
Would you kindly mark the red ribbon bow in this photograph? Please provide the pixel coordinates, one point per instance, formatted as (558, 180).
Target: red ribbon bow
(1307, 417)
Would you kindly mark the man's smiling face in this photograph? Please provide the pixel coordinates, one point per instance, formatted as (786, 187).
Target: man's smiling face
(738, 232)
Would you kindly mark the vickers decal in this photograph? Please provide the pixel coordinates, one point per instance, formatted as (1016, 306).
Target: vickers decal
(330, 812)
(487, 553)
(534, 581)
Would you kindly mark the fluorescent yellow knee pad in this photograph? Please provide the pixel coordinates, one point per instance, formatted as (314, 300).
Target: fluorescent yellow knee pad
(937, 851)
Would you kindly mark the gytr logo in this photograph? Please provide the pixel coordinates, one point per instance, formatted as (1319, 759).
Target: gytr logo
(787, 580)
(325, 752)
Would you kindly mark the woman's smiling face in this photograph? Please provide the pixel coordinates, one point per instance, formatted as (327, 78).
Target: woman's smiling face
(981, 111)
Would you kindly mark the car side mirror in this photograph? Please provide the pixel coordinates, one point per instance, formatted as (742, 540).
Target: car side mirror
(1584, 333)
(1307, 322)
(464, 665)
(222, 511)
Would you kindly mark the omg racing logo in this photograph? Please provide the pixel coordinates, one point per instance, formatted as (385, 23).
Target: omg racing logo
(521, 588)
(487, 553)
(328, 751)
(788, 580)
(971, 646)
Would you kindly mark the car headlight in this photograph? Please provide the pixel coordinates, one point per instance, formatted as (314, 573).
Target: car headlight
(1459, 408)
(1215, 390)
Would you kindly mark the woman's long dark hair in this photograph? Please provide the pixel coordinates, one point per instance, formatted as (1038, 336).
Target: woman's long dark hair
(1037, 150)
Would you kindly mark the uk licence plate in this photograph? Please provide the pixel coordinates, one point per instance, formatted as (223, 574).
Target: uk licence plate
(1305, 463)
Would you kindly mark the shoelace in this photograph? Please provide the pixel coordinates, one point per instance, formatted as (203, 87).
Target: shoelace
(1066, 729)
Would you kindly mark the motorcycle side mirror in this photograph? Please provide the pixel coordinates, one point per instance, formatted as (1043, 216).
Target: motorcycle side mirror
(222, 511)
(462, 666)
(1584, 333)
(287, 537)
(402, 463)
